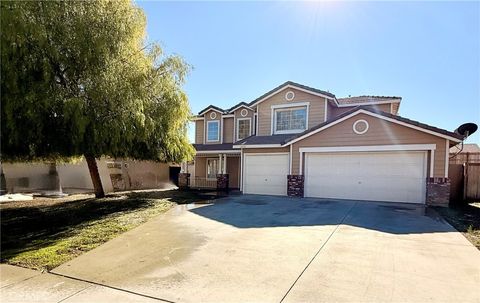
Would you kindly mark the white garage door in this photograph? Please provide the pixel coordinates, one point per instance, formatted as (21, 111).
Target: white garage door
(374, 176)
(265, 174)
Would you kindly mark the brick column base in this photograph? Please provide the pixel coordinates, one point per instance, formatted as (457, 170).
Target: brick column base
(183, 180)
(295, 185)
(438, 192)
(222, 181)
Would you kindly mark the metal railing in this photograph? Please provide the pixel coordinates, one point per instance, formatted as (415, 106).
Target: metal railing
(201, 182)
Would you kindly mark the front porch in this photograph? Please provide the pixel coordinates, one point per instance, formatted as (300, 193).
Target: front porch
(212, 171)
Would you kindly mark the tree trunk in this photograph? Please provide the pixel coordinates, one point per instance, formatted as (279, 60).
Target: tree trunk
(3, 185)
(55, 185)
(94, 174)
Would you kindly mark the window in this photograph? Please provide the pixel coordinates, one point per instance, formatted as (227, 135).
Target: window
(290, 120)
(213, 130)
(243, 128)
(212, 168)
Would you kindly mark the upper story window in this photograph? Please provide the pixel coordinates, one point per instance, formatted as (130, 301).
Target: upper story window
(213, 130)
(290, 120)
(244, 128)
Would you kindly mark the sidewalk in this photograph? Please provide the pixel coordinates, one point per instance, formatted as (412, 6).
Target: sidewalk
(24, 285)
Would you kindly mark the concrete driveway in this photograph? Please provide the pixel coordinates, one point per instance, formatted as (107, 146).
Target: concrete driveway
(274, 249)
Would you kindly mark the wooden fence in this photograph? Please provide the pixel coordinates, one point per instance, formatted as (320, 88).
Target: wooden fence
(464, 174)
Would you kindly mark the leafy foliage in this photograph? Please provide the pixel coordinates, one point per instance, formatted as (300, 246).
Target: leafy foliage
(77, 78)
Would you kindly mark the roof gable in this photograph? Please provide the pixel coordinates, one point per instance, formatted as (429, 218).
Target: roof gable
(290, 84)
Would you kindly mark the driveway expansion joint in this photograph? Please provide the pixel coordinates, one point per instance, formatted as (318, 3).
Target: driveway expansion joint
(108, 286)
(318, 251)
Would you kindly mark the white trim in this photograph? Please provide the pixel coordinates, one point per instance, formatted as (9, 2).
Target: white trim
(257, 146)
(241, 170)
(250, 127)
(200, 152)
(362, 111)
(219, 126)
(391, 108)
(447, 157)
(290, 161)
(290, 92)
(270, 153)
(213, 115)
(227, 116)
(369, 103)
(294, 87)
(240, 106)
(326, 111)
(242, 111)
(432, 162)
(285, 107)
(370, 148)
(197, 119)
(294, 104)
(365, 148)
(354, 127)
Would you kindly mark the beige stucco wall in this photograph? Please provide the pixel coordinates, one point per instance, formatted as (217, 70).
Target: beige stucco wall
(380, 132)
(334, 111)
(228, 130)
(199, 131)
(316, 113)
(34, 176)
(233, 170)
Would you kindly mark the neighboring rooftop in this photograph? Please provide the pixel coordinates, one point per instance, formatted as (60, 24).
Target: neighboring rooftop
(467, 148)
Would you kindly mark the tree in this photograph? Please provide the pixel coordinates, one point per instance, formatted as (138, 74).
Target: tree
(77, 78)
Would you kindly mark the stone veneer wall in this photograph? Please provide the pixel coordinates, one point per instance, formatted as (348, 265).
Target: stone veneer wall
(222, 181)
(295, 185)
(438, 191)
(183, 180)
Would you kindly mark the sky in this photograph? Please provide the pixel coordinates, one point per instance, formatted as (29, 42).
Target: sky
(426, 52)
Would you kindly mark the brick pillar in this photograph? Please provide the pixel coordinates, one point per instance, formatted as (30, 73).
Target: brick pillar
(438, 191)
(183, 180)
(295, 185)
(222, 181)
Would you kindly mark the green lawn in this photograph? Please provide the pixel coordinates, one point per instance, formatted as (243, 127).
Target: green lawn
(465, 218)
(44, 233)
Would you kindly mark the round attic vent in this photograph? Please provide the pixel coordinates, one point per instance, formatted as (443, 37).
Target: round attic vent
(244, 112)
(360, 127)
(289, 95)
(213, 115)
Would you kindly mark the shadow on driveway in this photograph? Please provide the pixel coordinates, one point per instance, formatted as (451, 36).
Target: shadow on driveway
(256, 211)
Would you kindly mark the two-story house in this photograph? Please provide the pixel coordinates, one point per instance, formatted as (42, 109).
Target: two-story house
(300, 141)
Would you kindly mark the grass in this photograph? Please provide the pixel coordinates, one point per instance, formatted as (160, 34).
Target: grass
(44, 233)
(466, 219)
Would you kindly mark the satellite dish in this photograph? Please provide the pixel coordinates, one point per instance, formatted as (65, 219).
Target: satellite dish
(466, 129)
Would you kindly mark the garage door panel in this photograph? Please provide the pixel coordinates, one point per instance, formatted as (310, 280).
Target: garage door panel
(381, 176)
(266, 174)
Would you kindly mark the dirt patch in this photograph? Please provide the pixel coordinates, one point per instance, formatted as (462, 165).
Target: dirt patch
(465, 218)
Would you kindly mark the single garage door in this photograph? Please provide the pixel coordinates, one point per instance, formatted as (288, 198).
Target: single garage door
(374, 176)
(265, 174)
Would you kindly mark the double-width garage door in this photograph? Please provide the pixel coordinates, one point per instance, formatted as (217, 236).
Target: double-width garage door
(374, 176)
(265, 174)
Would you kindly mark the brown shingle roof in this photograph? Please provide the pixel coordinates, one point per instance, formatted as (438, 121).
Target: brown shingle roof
(467, 148)
(210, 147)
(366, 99)
(254, 140)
